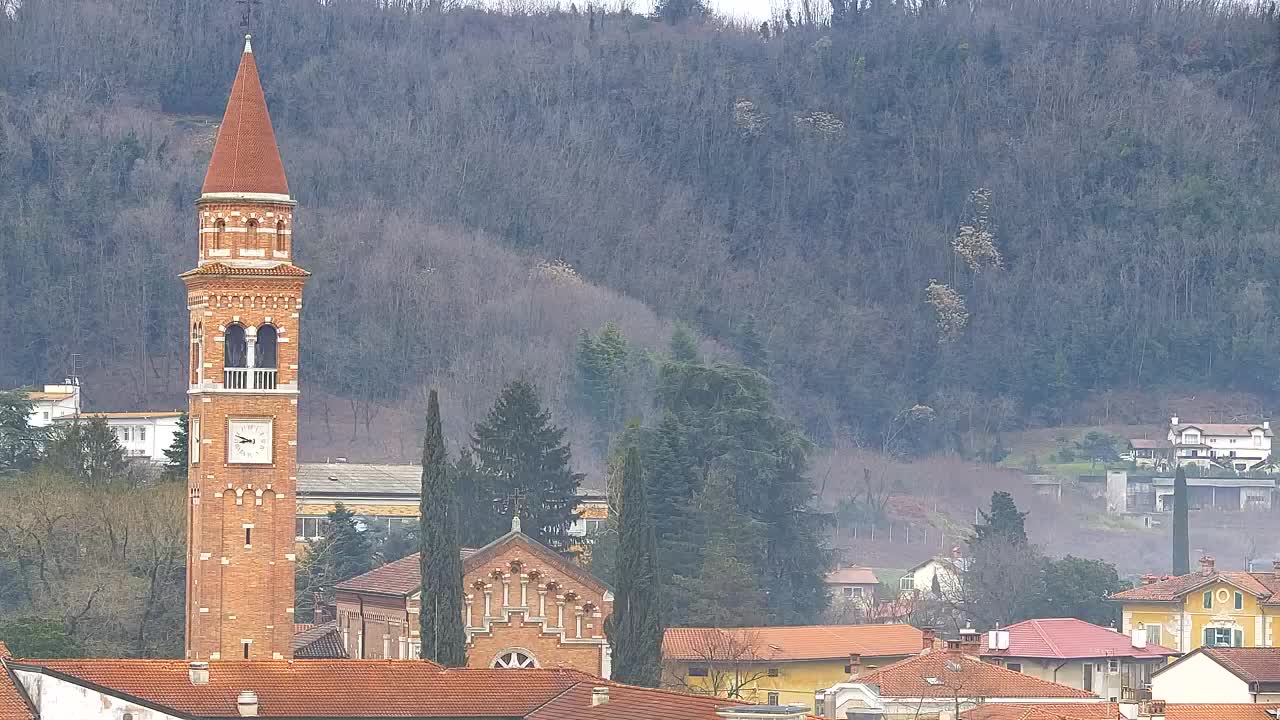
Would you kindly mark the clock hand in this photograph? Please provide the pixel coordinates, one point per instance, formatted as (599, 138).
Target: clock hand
(242, 439)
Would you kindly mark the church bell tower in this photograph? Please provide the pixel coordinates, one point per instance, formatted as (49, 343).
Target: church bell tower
(245, 297)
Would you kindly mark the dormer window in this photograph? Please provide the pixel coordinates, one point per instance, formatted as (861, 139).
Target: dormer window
(1191, 437)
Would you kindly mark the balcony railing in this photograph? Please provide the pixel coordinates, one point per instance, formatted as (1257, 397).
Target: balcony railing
(249, 379)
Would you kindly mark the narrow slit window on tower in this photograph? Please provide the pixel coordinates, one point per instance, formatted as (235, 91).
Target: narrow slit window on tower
(248, 537)
(245, 645)
(252, 226)
(279, 236)
(219, 228)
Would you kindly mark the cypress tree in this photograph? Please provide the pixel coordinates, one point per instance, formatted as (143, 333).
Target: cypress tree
(1181, 530)
(175, 466)
(635, 628)
(440, 616)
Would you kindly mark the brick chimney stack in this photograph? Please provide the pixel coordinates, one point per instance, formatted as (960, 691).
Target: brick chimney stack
(855, 664)
(928, 636)
(1206, 565)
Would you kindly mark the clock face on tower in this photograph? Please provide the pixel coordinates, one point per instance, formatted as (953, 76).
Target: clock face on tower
(249, 441)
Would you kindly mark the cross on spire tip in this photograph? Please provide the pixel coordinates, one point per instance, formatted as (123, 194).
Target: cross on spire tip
(248, 46)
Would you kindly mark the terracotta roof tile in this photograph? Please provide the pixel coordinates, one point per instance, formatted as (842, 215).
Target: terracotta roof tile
(326, 688)
(319, 642)
(806, 642)
(399, 577)
(910, 678)
(245, 157)
(1236, 429)
(1251, 664)
(217, 268)
(4, 650)
(852, 575)
(1066, 638)
(13, 706)
(631, 703)
(1261, 585)
(1053, 711)
(1220, 711)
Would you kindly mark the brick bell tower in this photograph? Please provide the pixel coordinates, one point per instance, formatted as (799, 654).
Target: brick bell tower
(245, 296)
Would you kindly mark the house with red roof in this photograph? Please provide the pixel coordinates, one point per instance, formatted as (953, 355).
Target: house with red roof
(774, 665)
(1148, 710)
(1221, 675)
(109, 689)
(852, 583)
(1079, 654)
(936, 682)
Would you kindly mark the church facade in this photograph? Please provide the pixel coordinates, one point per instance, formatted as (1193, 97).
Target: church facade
(244, 298)
(524, 606)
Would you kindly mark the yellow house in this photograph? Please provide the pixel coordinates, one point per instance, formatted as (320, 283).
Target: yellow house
(781, 665)
(1208, 608)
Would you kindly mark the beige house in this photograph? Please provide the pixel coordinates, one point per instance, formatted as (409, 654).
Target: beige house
(1221, 675)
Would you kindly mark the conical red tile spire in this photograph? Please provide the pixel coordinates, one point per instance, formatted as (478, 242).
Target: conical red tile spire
(245, 157)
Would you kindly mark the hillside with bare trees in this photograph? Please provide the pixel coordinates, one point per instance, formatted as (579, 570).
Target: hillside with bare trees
(925, 223)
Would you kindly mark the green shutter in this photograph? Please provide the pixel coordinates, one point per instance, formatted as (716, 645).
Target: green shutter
(1208, 599)
(1239, 601)
(1238, 637)
(1208, 637)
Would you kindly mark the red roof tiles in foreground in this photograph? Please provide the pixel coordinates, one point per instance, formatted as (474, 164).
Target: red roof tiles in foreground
(1251, 664)
(1069, 638)
(1111, 711)
(803, 642)
(12, 704)
(375, 689)
(245, 157)
(931, 675)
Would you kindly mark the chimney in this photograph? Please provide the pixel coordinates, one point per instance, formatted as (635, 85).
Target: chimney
(1266, 424)
(1206, 565)
(1139, 638)
(970, 640)
(1151, 710)
(198, 671)
(1173, 420)
(247, 703)
(1149, 579)
(928, 635)
(953, 646)
(599, 696)
(855, 664)
(1275, 567)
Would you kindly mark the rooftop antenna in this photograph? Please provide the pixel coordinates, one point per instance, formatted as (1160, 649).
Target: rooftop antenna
(74, 378)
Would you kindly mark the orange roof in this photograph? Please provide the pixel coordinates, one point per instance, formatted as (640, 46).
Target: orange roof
(852, 575)
(217, 268)
(1045, 711)
(33, 396)
(1111, 711)
(374, 689)
(1263, 585)
(934, 674)
(4, 650)
(804, 642)
(13, 705)
(245, 157)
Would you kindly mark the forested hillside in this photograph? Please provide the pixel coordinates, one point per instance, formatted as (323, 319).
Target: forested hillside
(987, 209)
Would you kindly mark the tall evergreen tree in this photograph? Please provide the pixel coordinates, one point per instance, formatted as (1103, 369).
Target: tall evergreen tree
(1002, 521)
(20, 444)
(673, 483)
(522, 452)
(175, 466)
(478, 521)
(87, 451)
(684, 346)
(602, 362)
(635, 628)
(750, 345)
(440, 619)
(344, 551)
(1181, 526)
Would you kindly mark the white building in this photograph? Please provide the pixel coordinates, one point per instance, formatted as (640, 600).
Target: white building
(54, 403)
(143, 435)
(1235, 446)
(1220, 675)
(946, 571)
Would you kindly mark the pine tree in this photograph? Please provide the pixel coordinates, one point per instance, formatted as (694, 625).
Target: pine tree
(750, 345)
(20, 444)
(88, 452)
(635, 628)
(344, 551)
(1004, 521)
(684, 347)
(602, 363)
(440, 619)
(521, 451)
(673, 483)
(175, 466)
(1181, 527)
(478, 521)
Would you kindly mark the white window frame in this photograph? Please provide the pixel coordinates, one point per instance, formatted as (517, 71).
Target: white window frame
(195, 440)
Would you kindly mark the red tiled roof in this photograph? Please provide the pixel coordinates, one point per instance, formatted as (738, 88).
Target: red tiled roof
(910, 678)
(319, 642)
(404, 576)
(1251, 664)
(804, 642)
(1111, 711)
(1259, 584)
(1236, 429)
(217, 268)
(4, 650)
(326, 688)
(1068, 638)
(245, 157)
(12, 704)
(631, 703)
(852, 575)
(1044, 711)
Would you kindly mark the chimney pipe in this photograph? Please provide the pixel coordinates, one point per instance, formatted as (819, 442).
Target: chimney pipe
(855, 664)
(928, 635)
(1173, 420)
(599, 696)
(247, 703)
(1139, 638)
(1206, 565)
(198, 672)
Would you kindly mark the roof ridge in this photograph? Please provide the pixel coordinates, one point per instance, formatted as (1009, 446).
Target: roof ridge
(1045, 636)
